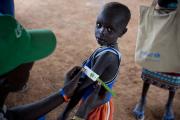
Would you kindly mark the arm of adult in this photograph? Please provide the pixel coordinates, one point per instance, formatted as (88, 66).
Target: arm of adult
(39, 108)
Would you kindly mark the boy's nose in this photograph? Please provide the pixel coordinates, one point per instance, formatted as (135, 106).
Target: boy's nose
(102, 31)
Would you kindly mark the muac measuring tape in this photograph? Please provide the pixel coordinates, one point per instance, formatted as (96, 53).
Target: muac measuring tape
(95, 77)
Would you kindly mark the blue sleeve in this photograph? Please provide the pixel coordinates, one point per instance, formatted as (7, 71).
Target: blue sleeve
(7, 7)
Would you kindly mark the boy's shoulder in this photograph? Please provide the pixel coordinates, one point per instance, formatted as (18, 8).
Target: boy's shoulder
(107, 52)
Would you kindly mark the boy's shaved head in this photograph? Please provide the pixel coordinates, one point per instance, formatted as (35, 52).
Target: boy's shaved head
(111, 23)
(117, 10)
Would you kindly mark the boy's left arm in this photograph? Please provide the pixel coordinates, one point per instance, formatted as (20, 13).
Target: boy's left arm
(101, 64)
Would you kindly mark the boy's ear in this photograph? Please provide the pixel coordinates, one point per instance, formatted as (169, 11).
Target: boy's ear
(123, 32)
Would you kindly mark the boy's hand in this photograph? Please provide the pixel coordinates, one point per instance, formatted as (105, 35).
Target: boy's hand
(71, 80)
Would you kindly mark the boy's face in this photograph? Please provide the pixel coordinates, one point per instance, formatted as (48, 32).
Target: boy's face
(108, 28)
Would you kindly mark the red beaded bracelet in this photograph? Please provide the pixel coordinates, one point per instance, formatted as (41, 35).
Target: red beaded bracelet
(66, 99)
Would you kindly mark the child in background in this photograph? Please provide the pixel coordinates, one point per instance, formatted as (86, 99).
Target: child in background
(169, 81)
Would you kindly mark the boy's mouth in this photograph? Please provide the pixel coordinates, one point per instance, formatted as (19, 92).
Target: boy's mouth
(100, 40)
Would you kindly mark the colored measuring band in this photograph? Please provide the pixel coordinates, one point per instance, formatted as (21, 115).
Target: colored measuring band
(106, 87)
(91, 73)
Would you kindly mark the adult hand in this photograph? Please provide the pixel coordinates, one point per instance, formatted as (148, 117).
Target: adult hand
(71, 80)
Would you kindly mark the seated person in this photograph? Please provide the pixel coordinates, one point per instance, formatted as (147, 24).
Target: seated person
(7, 7)
(18, 49)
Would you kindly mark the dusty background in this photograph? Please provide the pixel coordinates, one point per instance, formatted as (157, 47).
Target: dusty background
(73, 22)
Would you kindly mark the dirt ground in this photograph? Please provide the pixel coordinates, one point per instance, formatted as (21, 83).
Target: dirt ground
(73, 22)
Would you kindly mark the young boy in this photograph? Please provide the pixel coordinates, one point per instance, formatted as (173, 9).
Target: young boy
(110, 25)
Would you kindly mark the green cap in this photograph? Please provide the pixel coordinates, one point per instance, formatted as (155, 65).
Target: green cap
(19, 45)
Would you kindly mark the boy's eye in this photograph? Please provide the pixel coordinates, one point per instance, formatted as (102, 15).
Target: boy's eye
(109, 29)
(98, 25)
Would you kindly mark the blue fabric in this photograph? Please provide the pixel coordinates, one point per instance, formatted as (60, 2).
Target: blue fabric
(61, 92)
(90, 62)
(168, 117)
(42, 118)
(7, 7)
(138, 114)
(169, 4)
(172, 6)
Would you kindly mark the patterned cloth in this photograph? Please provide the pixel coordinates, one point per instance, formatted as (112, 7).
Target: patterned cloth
(170, 81)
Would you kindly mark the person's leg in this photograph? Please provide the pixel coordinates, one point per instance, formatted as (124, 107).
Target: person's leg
(169, 114)
(7, 7)
(139, 108)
